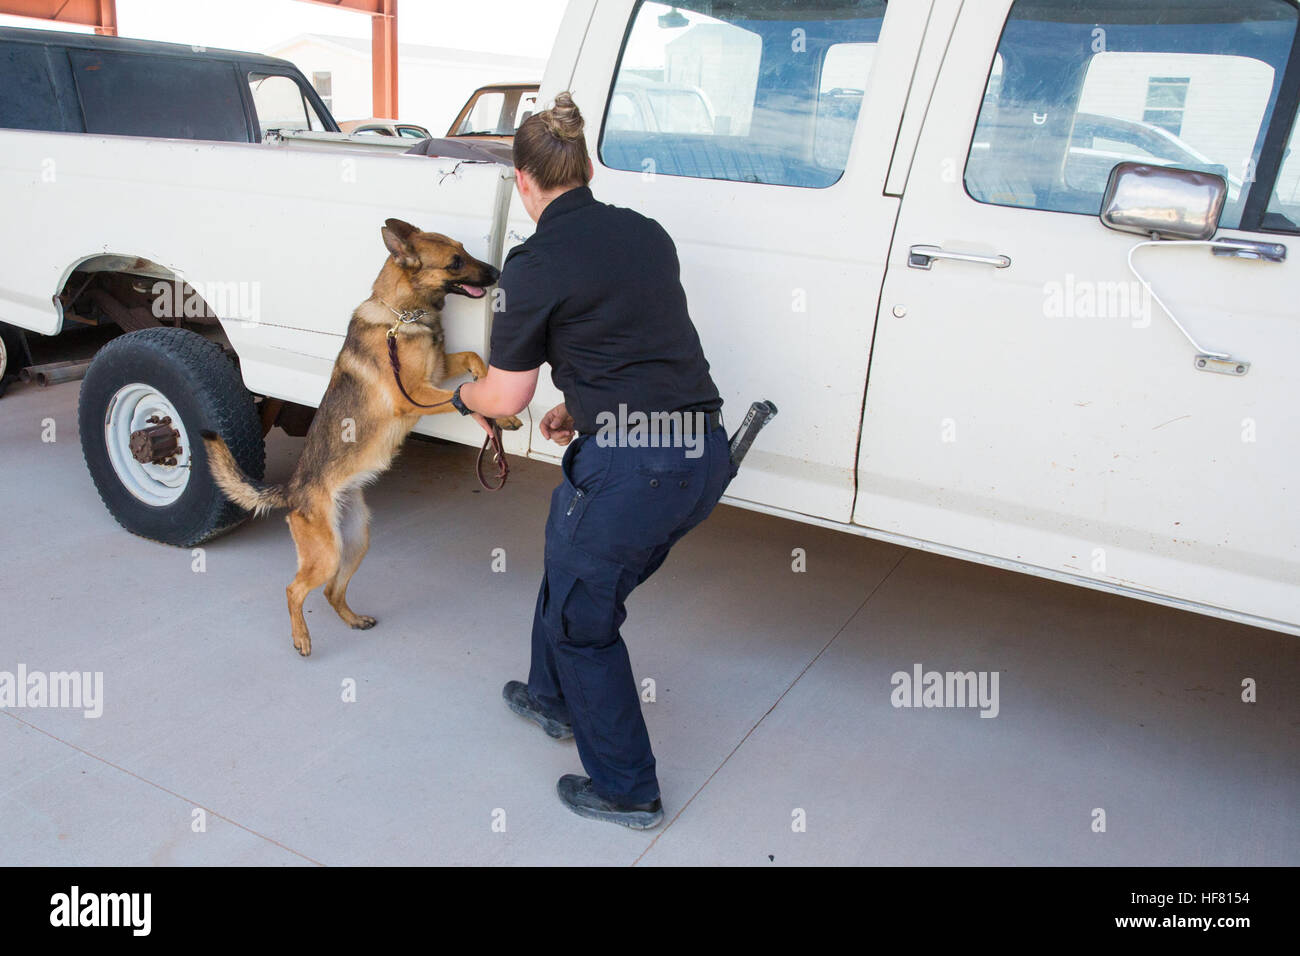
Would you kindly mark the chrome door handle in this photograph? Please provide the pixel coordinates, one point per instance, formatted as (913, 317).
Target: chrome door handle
(922, 257)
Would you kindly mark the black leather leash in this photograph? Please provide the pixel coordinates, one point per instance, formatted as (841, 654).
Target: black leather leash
(493, 441)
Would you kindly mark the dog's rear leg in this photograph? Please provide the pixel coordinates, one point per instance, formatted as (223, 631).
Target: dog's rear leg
(318, 561)
(354, 530)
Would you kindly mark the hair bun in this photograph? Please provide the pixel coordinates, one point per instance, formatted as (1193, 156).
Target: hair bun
(564, 119)
(549, 146)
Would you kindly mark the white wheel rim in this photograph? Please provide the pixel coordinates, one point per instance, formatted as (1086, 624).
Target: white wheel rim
(4, 357)
(129, 410)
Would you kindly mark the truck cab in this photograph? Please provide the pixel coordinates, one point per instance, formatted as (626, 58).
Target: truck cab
(966, 361)
(75, 83)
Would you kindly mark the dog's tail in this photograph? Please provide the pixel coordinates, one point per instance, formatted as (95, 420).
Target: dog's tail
(237, 486)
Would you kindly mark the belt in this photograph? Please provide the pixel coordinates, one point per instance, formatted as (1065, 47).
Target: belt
(712, 420)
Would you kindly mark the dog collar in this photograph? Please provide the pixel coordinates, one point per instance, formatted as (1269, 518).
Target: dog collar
(406, 317)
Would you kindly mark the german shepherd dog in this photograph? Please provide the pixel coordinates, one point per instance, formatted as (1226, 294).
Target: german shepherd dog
(363, 417)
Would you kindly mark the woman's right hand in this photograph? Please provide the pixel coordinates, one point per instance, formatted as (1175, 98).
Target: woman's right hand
(557, 425)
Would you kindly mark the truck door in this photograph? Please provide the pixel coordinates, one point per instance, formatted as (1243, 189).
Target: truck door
(1029, 400)
(759, 136)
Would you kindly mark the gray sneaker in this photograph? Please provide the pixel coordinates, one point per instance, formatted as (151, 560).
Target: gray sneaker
(577, 794)
(524, 704)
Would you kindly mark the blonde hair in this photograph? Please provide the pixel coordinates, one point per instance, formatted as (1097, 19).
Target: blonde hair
(550, 146)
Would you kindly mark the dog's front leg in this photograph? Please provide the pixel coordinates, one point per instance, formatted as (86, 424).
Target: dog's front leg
(458, 363)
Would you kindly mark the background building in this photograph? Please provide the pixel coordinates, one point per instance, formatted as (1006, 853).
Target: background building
(436, 81)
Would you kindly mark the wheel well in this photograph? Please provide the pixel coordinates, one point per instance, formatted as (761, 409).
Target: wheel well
(133, 293)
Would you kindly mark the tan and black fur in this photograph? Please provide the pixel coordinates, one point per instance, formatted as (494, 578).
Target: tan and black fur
(328, 517)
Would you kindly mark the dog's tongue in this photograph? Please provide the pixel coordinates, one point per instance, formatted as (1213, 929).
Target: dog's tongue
(473, 291)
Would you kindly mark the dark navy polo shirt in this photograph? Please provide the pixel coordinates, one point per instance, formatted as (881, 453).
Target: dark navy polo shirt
(596, 292)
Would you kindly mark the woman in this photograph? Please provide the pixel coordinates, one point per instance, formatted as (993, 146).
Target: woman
(595, 291)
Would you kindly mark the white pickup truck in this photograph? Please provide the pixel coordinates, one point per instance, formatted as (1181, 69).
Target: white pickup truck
(887, 215)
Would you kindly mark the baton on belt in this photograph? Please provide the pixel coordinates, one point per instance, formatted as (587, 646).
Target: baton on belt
(759, 414)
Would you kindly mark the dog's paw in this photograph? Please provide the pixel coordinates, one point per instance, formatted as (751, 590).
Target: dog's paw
(303, 646)
(509, 424)
(364, 622)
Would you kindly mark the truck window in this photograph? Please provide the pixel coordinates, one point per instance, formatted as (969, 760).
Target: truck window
(281, 104)
(526, 107)
(26, 95)
(1283, 214)
(624, 113)
(838, 100)
(484, 117)
(749, 91)
(135, 94)
(1085, 85)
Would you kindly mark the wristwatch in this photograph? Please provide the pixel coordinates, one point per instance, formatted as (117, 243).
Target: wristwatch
(458, 404)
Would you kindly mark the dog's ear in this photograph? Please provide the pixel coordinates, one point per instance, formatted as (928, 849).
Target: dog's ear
(403, 229)
(402, 251)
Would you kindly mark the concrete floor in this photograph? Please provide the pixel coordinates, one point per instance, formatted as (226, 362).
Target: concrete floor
(773, 696)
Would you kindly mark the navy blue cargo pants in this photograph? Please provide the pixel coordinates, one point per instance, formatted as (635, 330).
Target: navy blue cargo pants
(613, 519)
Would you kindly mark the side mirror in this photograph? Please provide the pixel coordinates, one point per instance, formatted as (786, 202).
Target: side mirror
(1163, 200)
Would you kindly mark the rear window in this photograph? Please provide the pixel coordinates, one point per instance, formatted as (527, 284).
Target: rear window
(26, 95)
(133, 94)
(759, 91)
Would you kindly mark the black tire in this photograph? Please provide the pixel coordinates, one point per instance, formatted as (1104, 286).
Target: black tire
(205, 388)
(12, 355)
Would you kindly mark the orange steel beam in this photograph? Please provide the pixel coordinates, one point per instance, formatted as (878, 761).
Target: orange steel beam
(107, 18)
(383, 49)
(100, 14)
(383, 60)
